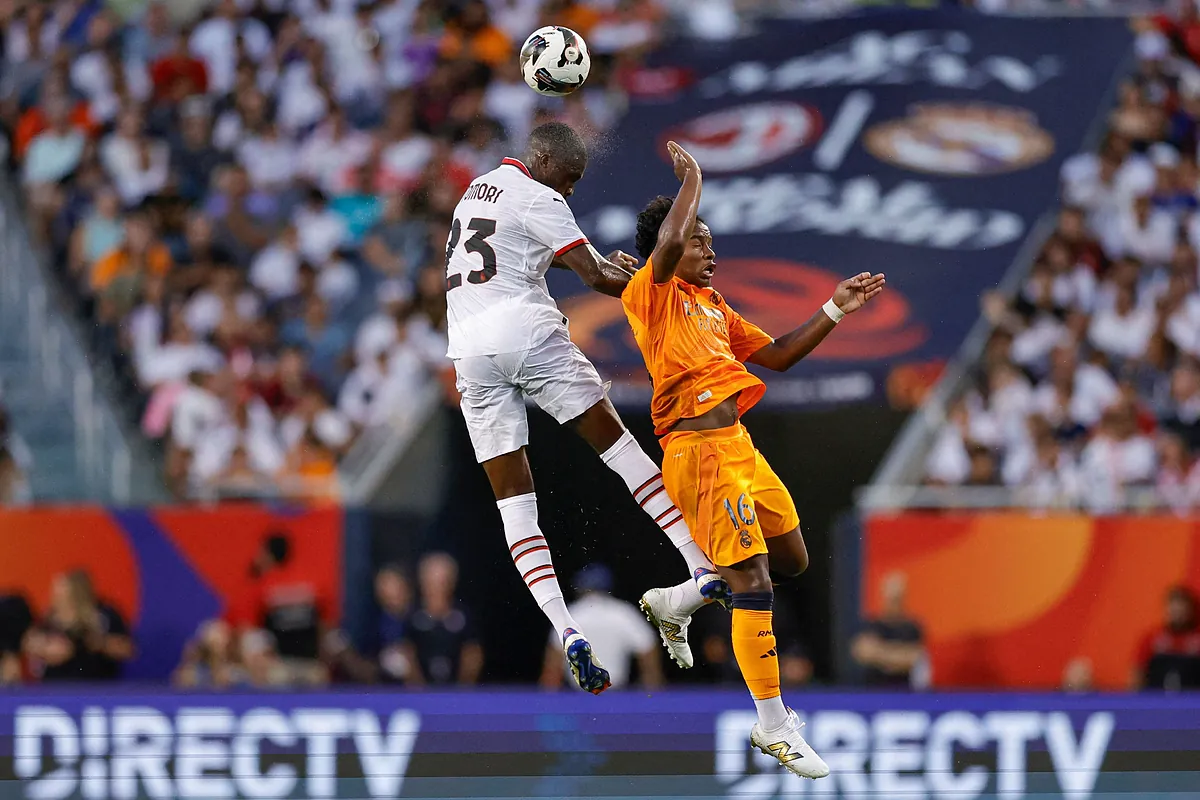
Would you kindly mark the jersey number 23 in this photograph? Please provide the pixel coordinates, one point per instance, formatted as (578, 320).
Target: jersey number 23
(482, 228)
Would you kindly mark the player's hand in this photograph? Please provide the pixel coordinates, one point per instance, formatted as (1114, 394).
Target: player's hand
(623, 260)
(682, 161)
(853, 293)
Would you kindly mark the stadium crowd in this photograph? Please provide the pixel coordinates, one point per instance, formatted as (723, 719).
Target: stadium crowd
(1090, 384)
(248, 199)
(282, 634)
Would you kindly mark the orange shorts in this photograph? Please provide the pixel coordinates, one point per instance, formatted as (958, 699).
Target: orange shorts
(730, 498)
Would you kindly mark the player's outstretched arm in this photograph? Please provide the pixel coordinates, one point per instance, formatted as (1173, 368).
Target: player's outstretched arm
(850, 295)
(676, 229)
(605, 275)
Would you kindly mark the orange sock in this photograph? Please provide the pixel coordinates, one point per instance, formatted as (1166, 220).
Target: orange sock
(754, 649)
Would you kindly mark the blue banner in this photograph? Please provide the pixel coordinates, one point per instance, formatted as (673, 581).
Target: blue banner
(923, 145)
(126, 743)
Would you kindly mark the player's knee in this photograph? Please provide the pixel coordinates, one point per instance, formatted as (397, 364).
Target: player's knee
(799, 562)
(788, 558)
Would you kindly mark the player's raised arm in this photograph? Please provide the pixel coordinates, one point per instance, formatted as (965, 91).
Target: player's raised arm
(676, 229)
(605, 275)
(850, 295)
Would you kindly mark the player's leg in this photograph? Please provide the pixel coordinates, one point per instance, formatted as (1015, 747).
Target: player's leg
(685, 457)
(737, 545)
(778, 730)
(495, 415)
(566, 385)
(601, 427)
(787, 556)
(787, 553)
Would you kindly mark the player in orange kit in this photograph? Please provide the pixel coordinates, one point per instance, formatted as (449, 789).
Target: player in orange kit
(739, 512)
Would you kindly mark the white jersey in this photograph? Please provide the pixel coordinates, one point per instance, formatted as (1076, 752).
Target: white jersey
(507, 229)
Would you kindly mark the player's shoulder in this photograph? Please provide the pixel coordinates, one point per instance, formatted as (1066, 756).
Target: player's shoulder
(642, 277)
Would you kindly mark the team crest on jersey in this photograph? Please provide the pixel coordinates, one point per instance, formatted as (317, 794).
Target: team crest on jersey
(745, 540)
(746, 136)
(961, 140)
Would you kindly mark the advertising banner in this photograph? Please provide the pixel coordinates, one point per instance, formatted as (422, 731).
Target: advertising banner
(669, 745)
(922, 145)
(166, 570)
(1009, 599)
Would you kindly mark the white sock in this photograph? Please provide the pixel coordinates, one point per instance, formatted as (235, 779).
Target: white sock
(772, 713)
(531, 555)
(645, 483)
(685, 599)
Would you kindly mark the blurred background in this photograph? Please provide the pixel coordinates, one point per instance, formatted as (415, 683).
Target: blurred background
(240, 516)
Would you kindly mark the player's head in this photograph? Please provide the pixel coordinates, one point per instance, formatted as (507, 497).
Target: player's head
(556, 156)
(699, 260)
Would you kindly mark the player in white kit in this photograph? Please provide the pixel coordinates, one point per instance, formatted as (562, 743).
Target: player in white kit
(509, 341)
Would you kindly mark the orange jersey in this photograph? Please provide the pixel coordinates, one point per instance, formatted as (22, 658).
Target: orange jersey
(694, 345)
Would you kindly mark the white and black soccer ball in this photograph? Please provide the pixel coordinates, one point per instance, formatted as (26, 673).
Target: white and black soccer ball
(555, 61)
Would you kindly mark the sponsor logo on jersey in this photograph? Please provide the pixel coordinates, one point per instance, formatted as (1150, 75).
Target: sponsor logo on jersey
(746, 136)
(961, 140)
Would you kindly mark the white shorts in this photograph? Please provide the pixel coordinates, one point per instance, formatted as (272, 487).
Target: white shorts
(555, 374)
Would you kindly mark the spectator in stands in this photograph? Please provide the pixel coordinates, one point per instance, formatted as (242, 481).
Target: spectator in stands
(193, 158)
(14, 485)
(795, 666)
(266, 670)
(208, 659)
(290, 609)
(891, 647)
(118, 277)
(1182, 415)
(1169, 657)
(344, 664)
(1178, 481)
(175, 73)
(53, 155)
(447, 648)
(617, 630)
(15, 462)
(80, 638)
(216, 119)
(397, 658)
(1117, 457)
(1078, 676)
(15, 622)
(717, 664)
(99, 233)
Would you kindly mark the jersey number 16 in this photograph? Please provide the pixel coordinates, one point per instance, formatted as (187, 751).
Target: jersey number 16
(483, 228)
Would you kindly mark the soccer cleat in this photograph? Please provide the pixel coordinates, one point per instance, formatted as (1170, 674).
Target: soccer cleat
(787, 745)
(713, 588)
(671, 627)
(587, 669)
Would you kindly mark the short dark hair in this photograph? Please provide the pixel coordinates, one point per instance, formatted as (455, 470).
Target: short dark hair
(649, 221)
(559, 141)
(279, 547)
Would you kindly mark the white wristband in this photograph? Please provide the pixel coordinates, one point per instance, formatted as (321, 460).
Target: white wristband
(832, 311)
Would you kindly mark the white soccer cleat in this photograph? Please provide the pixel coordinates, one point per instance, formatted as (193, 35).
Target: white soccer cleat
(672, 627)
(787, 745)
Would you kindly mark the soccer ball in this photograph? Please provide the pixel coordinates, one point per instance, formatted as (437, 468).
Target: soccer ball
(555, 61)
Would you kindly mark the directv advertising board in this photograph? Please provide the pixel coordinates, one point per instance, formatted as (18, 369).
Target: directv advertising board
(126, 745)
(925, 146)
